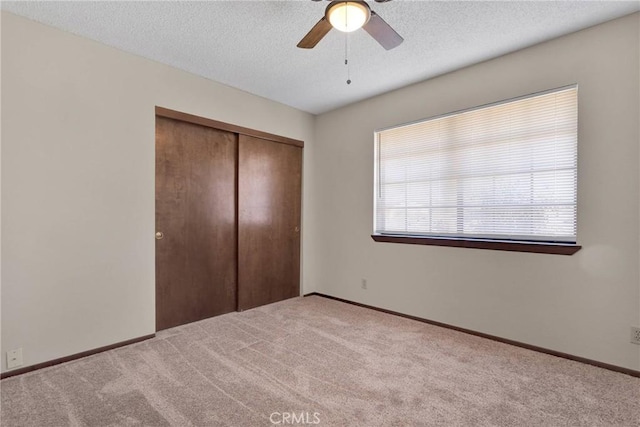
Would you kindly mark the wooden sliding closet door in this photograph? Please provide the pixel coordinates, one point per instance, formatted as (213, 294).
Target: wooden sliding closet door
(269, 192)
(196, 216)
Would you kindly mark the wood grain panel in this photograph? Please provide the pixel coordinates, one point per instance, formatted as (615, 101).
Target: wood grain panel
(196, 212)
(269, 194)
(498, 245)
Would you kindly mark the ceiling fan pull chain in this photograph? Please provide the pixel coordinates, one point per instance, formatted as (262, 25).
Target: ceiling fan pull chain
(346, 57)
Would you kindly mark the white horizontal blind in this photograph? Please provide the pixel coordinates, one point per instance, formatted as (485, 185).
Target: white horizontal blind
(506, 171)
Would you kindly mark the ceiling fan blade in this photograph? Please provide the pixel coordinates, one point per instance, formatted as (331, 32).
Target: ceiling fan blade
(316, 34)
(382, 32)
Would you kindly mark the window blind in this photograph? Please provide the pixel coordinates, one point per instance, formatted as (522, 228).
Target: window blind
(506, 171)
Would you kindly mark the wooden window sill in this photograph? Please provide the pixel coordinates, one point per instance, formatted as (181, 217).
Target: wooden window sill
(498, 245)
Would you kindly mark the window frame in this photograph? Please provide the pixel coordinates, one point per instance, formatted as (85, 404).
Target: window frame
(535, 246)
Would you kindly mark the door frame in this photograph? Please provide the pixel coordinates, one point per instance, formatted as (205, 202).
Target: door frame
(202, 121)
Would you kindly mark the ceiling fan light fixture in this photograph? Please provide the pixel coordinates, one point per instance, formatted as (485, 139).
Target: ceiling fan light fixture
(348, 16)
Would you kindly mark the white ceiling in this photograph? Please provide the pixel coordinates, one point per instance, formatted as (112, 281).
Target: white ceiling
(251, 45)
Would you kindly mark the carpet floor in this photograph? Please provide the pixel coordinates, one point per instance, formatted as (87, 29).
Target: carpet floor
(316, 361)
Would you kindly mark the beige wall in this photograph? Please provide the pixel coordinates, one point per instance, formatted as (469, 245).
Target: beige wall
(78, 184)
(582, 304)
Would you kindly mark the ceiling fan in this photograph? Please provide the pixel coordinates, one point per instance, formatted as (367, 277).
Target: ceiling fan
(349, 16)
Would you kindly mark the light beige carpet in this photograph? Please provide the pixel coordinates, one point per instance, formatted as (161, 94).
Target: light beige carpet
(314, 360)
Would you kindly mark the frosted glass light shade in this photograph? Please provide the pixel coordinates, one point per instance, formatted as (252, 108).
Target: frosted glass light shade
(348, 16)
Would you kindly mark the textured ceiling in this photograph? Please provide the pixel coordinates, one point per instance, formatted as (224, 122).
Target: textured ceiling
(251, 45)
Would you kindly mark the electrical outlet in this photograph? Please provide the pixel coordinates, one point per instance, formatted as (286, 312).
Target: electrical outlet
(363, 284)
(635, 335)
(14, 358)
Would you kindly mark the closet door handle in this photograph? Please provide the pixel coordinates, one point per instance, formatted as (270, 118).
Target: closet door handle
(159, 235)
(297, 229)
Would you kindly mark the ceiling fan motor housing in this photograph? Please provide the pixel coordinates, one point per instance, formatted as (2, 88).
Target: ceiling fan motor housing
(349, 16)
(337, 14)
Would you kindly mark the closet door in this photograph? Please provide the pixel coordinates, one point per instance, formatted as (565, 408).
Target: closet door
(269, 193)
(195, 222)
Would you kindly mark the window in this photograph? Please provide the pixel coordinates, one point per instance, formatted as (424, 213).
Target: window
(502, 172)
